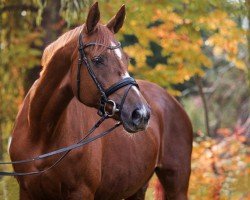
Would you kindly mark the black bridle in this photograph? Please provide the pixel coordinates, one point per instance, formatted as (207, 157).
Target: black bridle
(104, 93)
(102, 111)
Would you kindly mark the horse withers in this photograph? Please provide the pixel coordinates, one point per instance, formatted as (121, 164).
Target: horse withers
(85, 70)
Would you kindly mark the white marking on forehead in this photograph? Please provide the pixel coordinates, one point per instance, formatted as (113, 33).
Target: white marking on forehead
(126, 75)
(117, 51)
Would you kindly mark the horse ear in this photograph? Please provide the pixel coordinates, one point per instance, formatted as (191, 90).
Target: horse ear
(117, 21)
(93, 18)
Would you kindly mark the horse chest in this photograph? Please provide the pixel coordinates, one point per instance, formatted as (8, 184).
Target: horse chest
(128, 162)
(124, 165)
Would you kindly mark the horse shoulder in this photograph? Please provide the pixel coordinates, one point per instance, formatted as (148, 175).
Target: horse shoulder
(163, 102)
(175, 123)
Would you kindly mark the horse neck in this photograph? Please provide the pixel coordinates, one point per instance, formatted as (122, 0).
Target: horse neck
(52, 94)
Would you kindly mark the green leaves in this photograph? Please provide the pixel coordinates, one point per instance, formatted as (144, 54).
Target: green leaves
(41, 5)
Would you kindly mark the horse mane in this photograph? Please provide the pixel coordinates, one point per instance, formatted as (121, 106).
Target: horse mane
(104, 36)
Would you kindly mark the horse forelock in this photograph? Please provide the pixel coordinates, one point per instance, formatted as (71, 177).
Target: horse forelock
(104, 37)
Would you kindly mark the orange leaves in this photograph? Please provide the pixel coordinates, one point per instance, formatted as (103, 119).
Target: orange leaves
(218, 165)
(168, 15)
(213, 20)
(138, 53)
(227, 39)
(238, 63)
(181, 36)
(187, 56)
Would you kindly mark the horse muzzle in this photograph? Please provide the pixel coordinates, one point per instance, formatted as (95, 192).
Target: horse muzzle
(137, 120)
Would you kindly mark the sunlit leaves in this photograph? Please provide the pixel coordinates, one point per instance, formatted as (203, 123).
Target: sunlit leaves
(220, 165)
(182, 31)
(139, 53)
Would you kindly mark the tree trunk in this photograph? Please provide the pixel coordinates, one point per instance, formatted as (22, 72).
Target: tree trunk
(204, 101)
(52, 23)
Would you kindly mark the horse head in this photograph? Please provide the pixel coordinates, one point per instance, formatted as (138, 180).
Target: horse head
(99, 75)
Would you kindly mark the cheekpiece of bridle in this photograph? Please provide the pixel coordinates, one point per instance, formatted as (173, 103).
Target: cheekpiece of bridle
(105, 102)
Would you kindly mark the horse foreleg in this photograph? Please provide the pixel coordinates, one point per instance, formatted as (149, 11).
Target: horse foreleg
(140, 194)
(174, 163)
(174, 169)
(175, 182)
(23, 195)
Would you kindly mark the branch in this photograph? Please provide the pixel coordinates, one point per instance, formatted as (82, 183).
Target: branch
(18, 7)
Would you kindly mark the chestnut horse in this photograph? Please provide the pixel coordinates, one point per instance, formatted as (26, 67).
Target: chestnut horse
(55, 115)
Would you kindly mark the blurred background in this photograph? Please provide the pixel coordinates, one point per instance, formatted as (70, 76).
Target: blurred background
(198, 50)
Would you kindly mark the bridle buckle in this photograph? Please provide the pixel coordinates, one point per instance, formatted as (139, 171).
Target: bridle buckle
(110, 112)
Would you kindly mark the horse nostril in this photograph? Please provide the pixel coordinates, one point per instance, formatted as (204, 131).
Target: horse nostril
(147, 117)
(137, 117)
(140, 117)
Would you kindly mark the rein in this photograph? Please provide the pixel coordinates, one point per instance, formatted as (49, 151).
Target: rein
(64, 150)
(102, 111)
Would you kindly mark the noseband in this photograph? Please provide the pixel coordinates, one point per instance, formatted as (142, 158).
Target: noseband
(105, 93)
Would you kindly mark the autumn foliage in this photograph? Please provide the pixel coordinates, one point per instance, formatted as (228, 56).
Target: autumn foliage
(169, 42)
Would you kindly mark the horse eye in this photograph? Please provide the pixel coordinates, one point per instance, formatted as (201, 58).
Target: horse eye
(97, 60)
